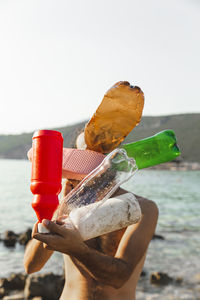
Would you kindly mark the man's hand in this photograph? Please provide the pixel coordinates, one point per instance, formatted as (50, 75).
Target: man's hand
(61, 238)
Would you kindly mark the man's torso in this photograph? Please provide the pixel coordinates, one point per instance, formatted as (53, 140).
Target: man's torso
(80, 285)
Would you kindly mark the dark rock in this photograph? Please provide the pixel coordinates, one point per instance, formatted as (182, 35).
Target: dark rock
(143, 273)
(10, 238)
(10, 233)
(158, 237)
(159, 278)
(25, 237)
(10, 242)
(14, 282)
(179, 280)
(17, 281)
(4, 283)
(47, 286)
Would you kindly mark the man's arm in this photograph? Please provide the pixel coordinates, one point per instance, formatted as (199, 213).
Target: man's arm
(113, 271)
(35, 255)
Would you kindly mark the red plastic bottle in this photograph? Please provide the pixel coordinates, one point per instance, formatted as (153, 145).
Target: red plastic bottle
(46, 175)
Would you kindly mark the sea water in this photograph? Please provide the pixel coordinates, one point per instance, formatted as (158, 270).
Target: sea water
(177, 194)
(17, 214)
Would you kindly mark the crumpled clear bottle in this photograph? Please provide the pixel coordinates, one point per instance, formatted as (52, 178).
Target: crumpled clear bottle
(89, 207)
(101, 183)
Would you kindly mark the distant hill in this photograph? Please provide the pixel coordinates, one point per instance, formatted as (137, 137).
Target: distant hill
(186, 127)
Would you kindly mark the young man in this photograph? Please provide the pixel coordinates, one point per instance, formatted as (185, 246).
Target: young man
(107, 267)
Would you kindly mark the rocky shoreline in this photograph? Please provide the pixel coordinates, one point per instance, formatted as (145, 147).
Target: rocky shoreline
(36, 286)
(20, 286)
(49, 286)
(10, 238)
(177, 166)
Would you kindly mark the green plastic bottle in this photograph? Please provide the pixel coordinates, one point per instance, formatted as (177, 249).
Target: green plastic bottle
(153, 150)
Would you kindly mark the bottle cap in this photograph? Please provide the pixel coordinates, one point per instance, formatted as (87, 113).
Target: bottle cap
(51, 133)
(42, 228)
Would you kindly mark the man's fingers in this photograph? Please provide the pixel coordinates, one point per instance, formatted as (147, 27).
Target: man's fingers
(53, 227)
(30, 154)
(47, 247)
(46, 238)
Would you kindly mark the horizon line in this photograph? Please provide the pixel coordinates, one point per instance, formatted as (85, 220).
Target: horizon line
(78, 122)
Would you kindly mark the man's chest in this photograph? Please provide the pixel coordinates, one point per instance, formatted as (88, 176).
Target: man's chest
(107, 243)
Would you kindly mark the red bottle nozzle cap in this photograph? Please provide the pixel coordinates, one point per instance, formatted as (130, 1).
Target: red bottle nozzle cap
(47, 133)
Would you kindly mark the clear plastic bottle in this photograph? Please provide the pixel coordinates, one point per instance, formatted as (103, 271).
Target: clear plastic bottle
(101, 183)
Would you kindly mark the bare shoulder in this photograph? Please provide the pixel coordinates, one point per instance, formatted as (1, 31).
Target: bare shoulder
(148, 207)
(137, 237)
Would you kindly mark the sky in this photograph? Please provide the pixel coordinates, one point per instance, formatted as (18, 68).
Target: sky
(58, 58)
